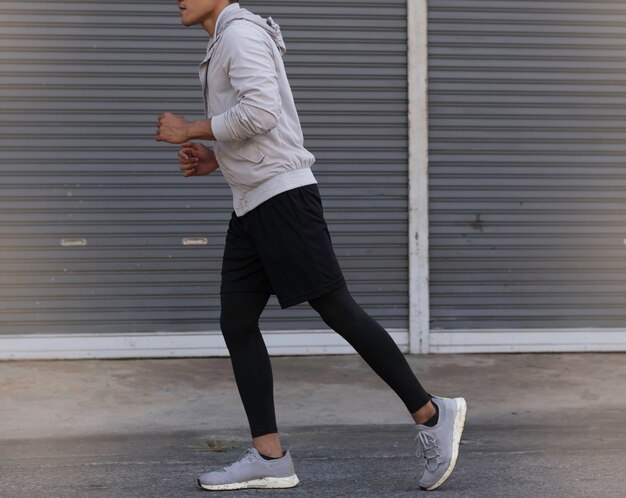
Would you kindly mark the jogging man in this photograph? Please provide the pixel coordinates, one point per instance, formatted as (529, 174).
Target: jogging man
(278, 242)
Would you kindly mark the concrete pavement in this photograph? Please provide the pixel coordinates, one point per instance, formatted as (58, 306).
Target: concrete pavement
(538, 425)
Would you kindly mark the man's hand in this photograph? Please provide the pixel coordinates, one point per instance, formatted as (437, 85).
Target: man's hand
(196, 159)
(172, 128)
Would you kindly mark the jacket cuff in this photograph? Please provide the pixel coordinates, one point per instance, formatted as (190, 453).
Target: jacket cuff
(220, 129)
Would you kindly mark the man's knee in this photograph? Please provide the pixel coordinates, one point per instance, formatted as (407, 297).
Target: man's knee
(239, 316)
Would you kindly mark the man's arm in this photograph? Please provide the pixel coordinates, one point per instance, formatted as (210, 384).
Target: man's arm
(176, 129)
(252, 73)
(201, 129)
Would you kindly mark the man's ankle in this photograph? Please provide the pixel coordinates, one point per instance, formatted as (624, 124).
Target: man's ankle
(271, 452)
(425, 413)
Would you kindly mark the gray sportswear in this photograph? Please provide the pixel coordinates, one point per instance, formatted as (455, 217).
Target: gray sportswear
(259, 144)
(439, 444)
(250, 466)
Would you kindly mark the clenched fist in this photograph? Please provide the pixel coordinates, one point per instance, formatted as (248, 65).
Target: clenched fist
(196, 159)
(172, 128)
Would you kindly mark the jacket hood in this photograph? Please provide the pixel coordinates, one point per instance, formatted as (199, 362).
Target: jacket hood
(268, 24)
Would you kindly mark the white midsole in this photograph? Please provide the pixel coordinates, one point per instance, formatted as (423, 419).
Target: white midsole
(264, 482)
(459, 423)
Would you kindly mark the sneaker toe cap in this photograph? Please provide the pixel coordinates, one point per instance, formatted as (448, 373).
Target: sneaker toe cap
(427, 481)
(212, 478)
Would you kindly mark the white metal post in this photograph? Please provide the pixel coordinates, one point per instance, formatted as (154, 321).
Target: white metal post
(417, 60)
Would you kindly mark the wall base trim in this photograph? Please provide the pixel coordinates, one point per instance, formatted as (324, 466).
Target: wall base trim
(526, 340)
(170, 344)
(302, 342)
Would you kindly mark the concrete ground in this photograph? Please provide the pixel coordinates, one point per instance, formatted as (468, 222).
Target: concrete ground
(539, 425)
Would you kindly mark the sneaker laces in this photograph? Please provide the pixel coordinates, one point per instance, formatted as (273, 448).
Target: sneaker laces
(247, 455)
(427, 445)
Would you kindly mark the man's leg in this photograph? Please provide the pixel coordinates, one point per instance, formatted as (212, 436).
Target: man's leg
(342, 313)
(439, 434)
(239, 318)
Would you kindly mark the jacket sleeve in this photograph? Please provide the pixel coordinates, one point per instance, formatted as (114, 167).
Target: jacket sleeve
(250, 64)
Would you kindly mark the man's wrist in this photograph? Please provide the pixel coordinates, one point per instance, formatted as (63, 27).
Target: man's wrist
(200, 129)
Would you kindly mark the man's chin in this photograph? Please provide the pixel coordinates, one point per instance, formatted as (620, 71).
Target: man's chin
(187, 22)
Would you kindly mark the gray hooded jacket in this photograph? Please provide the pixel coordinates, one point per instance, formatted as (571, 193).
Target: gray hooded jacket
(259, 144)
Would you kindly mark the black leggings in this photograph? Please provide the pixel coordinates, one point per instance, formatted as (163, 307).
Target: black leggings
(239, 317)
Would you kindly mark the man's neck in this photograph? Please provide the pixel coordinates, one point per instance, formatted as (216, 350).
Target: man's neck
(210, 24)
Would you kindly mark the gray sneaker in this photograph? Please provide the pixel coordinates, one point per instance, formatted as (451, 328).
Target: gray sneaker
(251, 470)
(440, 444)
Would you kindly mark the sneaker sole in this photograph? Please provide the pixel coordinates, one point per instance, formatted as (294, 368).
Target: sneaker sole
(264, 482)
(459, 423)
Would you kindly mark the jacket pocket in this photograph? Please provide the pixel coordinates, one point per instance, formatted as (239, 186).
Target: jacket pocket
(246, 150)
(240, 162)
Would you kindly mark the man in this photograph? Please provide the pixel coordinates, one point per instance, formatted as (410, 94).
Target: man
(278, 242)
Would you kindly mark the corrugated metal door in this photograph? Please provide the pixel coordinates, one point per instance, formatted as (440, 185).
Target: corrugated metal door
(527, 151)
(94, 213)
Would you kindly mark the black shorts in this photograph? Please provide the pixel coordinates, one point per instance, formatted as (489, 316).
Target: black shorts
(282, 247)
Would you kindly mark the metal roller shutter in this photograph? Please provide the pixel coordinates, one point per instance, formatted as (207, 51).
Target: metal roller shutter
(527, 190)
(94, 212)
